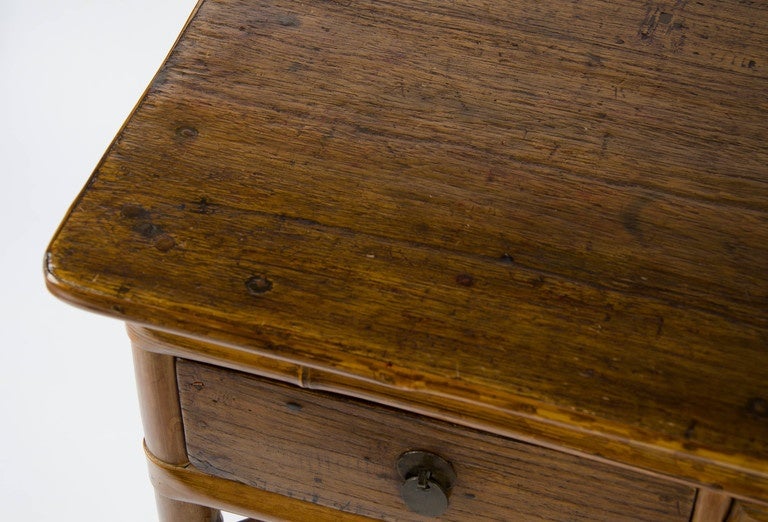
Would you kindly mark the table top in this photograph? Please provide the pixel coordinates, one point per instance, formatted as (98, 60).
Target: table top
(557, 211)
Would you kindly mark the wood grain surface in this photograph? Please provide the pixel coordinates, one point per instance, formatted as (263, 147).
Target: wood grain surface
(504, 203)
(163, 430)
(745, 512)
(341, 453)
(188, 485)
(711, 506)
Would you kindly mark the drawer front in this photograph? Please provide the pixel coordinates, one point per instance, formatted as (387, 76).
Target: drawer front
(746, 512)
(342, 453)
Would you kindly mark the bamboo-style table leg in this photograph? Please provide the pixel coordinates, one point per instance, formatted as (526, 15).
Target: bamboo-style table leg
(163, 429)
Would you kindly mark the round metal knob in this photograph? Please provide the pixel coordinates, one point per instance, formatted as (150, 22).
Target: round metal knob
(427, 482)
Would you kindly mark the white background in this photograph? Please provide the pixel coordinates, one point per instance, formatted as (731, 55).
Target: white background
(70, 433)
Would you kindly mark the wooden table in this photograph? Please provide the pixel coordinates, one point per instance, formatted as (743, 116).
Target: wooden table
(530, 238)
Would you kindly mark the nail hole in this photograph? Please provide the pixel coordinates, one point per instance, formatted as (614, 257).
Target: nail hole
(186, 131)
(164, 243)
(258, 284)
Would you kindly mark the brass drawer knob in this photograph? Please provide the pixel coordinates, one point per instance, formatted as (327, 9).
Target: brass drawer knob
(427, 482)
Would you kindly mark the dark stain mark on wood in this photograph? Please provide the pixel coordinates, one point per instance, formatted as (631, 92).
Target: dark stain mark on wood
(631, 217)
(147, 229)
(204, 206)
(757, 407)
(649, 25)
(604, 144)
(665, 24)
(288, 20)
(131, 211)
(594, 60)
(690, 429)
(143, 225)
(258, 285)
(465, 280)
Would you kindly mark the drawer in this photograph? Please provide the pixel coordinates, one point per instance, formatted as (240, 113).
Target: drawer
(342, 452)
(746, 512)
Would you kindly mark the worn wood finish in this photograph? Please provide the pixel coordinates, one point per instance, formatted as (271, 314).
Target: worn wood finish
(746, 512)
(558, 211)
(187, 484)
(159, 403)
(163, 431)
(169, 510)
(711, 506)
(341, 453)
(481, 417)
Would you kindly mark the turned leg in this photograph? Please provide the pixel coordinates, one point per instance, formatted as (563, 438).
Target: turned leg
(163, 428)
